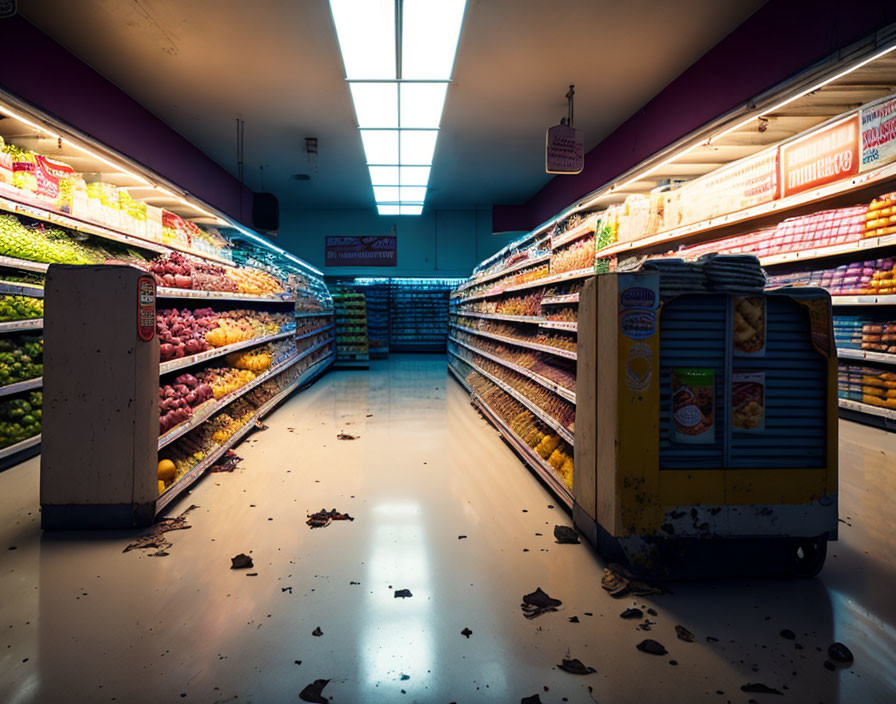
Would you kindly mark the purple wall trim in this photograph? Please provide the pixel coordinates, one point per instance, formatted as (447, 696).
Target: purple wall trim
(67, 88)
(781, 39)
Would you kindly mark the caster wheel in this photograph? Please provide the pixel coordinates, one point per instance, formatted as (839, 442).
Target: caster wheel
(806, 556)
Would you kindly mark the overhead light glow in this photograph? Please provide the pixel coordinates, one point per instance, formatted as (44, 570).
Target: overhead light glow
(429, 35)
(366, 31)
(398, 108)
(421, 104)
(376, 104)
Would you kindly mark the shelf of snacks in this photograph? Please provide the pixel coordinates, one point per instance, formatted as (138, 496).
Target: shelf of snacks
(585, 228)
(313, 332)
(534, 319)
(511, 268)
(558, 325)
(164, 292)
(566, 353)
(207, 458)
(560, 300)
(350, 319)
(583, 273)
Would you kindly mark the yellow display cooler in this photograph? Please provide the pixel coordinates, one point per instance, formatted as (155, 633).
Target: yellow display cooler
(706, 427)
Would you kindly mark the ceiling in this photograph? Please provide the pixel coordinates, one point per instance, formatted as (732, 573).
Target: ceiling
(201, 64)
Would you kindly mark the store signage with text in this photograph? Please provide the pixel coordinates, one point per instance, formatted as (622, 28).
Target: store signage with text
(361, 251)
(878, 133)
(564, 151)
(820, 158)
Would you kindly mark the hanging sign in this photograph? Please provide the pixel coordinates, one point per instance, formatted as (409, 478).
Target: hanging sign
(878, 133)
(822, 157)
(361, 251)
(146, 308)
(564, 150)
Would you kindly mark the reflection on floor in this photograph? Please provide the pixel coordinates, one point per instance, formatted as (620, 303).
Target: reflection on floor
(84, 622)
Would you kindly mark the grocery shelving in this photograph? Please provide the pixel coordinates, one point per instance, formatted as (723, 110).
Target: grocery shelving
(17, 289)
(20, 325)
(583, 229)
(316, 331)
(24, 264)
(566, 354)
(418, 312)
(558, 325)
(866, 355)
(314, 314)
(534, 319)
(540, 259)
(173, 364)
(553, 279)
(163, 292)
(859, 407)
(870, 300)
(560, 300)
(18, 386)
(26, 444)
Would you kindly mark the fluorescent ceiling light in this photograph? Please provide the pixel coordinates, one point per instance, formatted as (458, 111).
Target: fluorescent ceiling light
(388, 209)
(366, 31)
(415, 209)
(417, 147)
(429, 35)
(376, 104)
(380, 146)
(421, 104)
(386, 175)
(412, 194)
(386, 194)
(414, 175)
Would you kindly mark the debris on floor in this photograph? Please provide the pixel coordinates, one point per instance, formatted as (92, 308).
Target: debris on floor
(538, 603)
(839, 653)
(346, 436)
(240, 562)
(573, 619)
(260, 426)
(565, 534)
(155, 539)
(461, 537)
(759, 688)
(227, 464)
(322, 518)
(684, 634)
(575, 667)
(466, 632)
(534, 699)
(652, 647)
(788, 634)
(403, 593)
(631, 613)
(314, 692)
(317, 632)
(618, 582)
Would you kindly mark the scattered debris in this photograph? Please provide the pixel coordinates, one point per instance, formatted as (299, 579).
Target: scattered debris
(322, 518)
(631, 613)
(652, 612)
(227, 464)
(534, 699)
(346, 436)
(652, 647)
(673, 662)
(317, 632)
(538, 603)
(829, 665)
(575, 667)
(240, 562)
(369, 415)
(788, 634)
(314, 692)
(461, 537)
(286, 589)
(298, 662)
(646, 625)
(573, 619)
(684, 634)
(466, 632)
(839, 653)
(250, 574)
(759, 688)
(155, 539)
(618, 581)
(404, 677)
(711, 639)
(354, 582)
(565, 534)
(403, 593)
(260, 426)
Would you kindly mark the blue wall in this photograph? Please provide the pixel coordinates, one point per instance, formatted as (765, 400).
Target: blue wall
(437, 243)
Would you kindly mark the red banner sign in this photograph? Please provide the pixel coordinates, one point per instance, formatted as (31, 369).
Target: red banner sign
(825, 156)
(361, 251)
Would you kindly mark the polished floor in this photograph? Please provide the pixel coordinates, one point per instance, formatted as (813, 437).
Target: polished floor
(82, 621)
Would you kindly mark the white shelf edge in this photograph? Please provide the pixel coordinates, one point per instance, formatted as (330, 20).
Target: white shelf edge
(19, 386)
(19, 289)
(863, 300)
(509, 270)
(566, 354)
(553, 279)
(315, 314)
(866, 355)
(17, 325)
(587, 227)
(24, 264)
(868, 408)
(175, 364)
(531, 319)
(19, 446)
(196, 294)
(560, 300)
(559, 325)
(302, 336)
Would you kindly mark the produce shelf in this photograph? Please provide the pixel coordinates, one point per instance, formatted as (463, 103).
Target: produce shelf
(25, 385)
(544, 381)
(781, 207)
(209, 408)
(165, 292)
(866, 355)
(509, 270)
(583, 229)
(19, 289)
(190, 477)
(560, 300)
(19, 446)
(559, 325)
(859, 407)
(869, 300)
(529, 456)
(553, 279)
(21, 205)
(566, 354)
(536, 410)
(497, 316)
(315, 314)
(27, 265)
(315, 332)
(173, 364)
(16, 325)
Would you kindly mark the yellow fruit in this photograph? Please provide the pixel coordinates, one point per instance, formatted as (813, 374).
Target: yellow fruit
(166, 471)
(161, 486)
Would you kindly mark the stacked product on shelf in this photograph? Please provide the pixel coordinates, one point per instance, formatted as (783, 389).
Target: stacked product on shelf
(419, 314)
(376, 294)
(350, 312)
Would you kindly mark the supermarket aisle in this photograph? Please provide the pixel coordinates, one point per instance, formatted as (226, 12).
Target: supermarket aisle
(84, 622)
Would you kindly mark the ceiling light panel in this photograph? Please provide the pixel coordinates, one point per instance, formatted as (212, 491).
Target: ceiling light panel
(380, 146)
(389, 209)
(387, 176)
(417, 147)
(366, 32)
(414, 175)
(376, 104)
(387, 194)
(415, 209)
(411, 194)
(429, 34)
(421, 104)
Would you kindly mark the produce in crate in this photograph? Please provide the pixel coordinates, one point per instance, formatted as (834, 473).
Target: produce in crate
(20, 418)
(20, 359)
(20, 308)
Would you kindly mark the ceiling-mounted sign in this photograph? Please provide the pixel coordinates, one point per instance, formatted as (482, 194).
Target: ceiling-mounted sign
(564, 150)
(822, 157)
(878, 133)
(361, 251)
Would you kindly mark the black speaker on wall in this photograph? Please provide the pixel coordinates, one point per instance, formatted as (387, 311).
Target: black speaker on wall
(266, 212)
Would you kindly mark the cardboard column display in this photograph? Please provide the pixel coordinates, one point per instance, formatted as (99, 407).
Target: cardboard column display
(100, 414)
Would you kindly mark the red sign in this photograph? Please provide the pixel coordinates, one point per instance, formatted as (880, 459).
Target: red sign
(564, 150)
(822, 157)
(146, 308)
(361, 251)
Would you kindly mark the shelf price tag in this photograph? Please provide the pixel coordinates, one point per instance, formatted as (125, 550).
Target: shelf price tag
(146, 308)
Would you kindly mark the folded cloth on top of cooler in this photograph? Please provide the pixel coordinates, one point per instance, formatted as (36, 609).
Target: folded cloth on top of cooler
(733, 272)
(677, 275)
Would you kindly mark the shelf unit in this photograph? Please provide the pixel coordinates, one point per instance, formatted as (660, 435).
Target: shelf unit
(866, 355)
(174, 364)
(534, 319)
(19, 386)
(312, 333)
(189, 293)
(566, 354)
(560, 300)
(12, 450)
(418, 314)
(17, 289)
(22, 325)
(558, 325)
